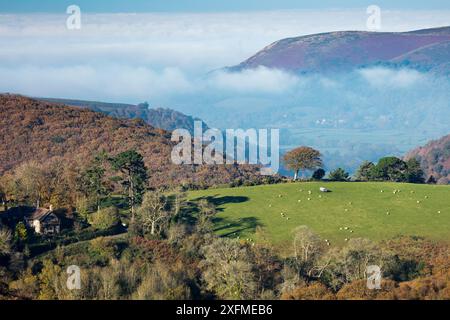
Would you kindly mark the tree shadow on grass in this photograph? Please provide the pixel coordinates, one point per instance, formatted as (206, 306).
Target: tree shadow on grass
(218, 201)
(188, 214)
(235, 227)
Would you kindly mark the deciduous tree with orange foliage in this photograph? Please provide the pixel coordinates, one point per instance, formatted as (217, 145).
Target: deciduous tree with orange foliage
(302, 158)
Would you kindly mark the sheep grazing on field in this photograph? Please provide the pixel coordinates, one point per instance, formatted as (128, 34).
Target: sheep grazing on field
(309, 199)
(381, 191)
(345, 209)
(299, 200)
(351, 231)
(346, 239)
(350, 203)
(340, 228)
(309, 192)
(270, 206)
(322, 189)
(388, 213)
(287, 218)
(418, 201)
(346, 228)
(439, 211)
(279, 196)
(426, 197)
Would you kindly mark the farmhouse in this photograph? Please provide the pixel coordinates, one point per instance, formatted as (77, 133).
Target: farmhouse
(43, 221)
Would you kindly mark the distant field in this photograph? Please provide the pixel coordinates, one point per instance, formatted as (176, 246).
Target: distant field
(369, 210)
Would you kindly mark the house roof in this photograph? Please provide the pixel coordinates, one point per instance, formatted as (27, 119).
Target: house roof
(39, 214)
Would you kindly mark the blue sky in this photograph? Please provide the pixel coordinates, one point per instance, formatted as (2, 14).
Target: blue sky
(112, 6)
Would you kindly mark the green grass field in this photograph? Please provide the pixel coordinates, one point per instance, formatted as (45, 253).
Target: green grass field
(351, 210)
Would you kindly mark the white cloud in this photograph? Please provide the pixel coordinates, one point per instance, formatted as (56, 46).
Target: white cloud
(107, 82)
(261, 79)
(130, 57)
(187, 40)
(388, 78)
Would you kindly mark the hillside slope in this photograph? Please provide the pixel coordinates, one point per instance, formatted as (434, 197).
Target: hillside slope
(434, 158)
(434, 58)
(269, 213)
(42, 131)
(336, 51)
(163, 118)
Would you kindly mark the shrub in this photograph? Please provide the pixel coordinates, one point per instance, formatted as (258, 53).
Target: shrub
(364, 171)
(339, 175)
(318, 174)
(389, 169)
(105, 218)
(414, 172)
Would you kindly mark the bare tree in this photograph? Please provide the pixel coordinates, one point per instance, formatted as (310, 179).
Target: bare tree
(308, 248)
(227, 269)
(31, 184)
(154, 213)
(5, 239)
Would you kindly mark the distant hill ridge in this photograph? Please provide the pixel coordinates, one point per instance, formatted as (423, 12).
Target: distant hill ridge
(163, 118)
(425, 49)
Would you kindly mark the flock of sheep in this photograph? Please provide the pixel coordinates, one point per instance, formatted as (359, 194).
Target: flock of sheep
(346, 228)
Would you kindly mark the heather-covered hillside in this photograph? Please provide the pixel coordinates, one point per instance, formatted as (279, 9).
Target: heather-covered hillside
(46, 132)
(345, 50)
(434, 158)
